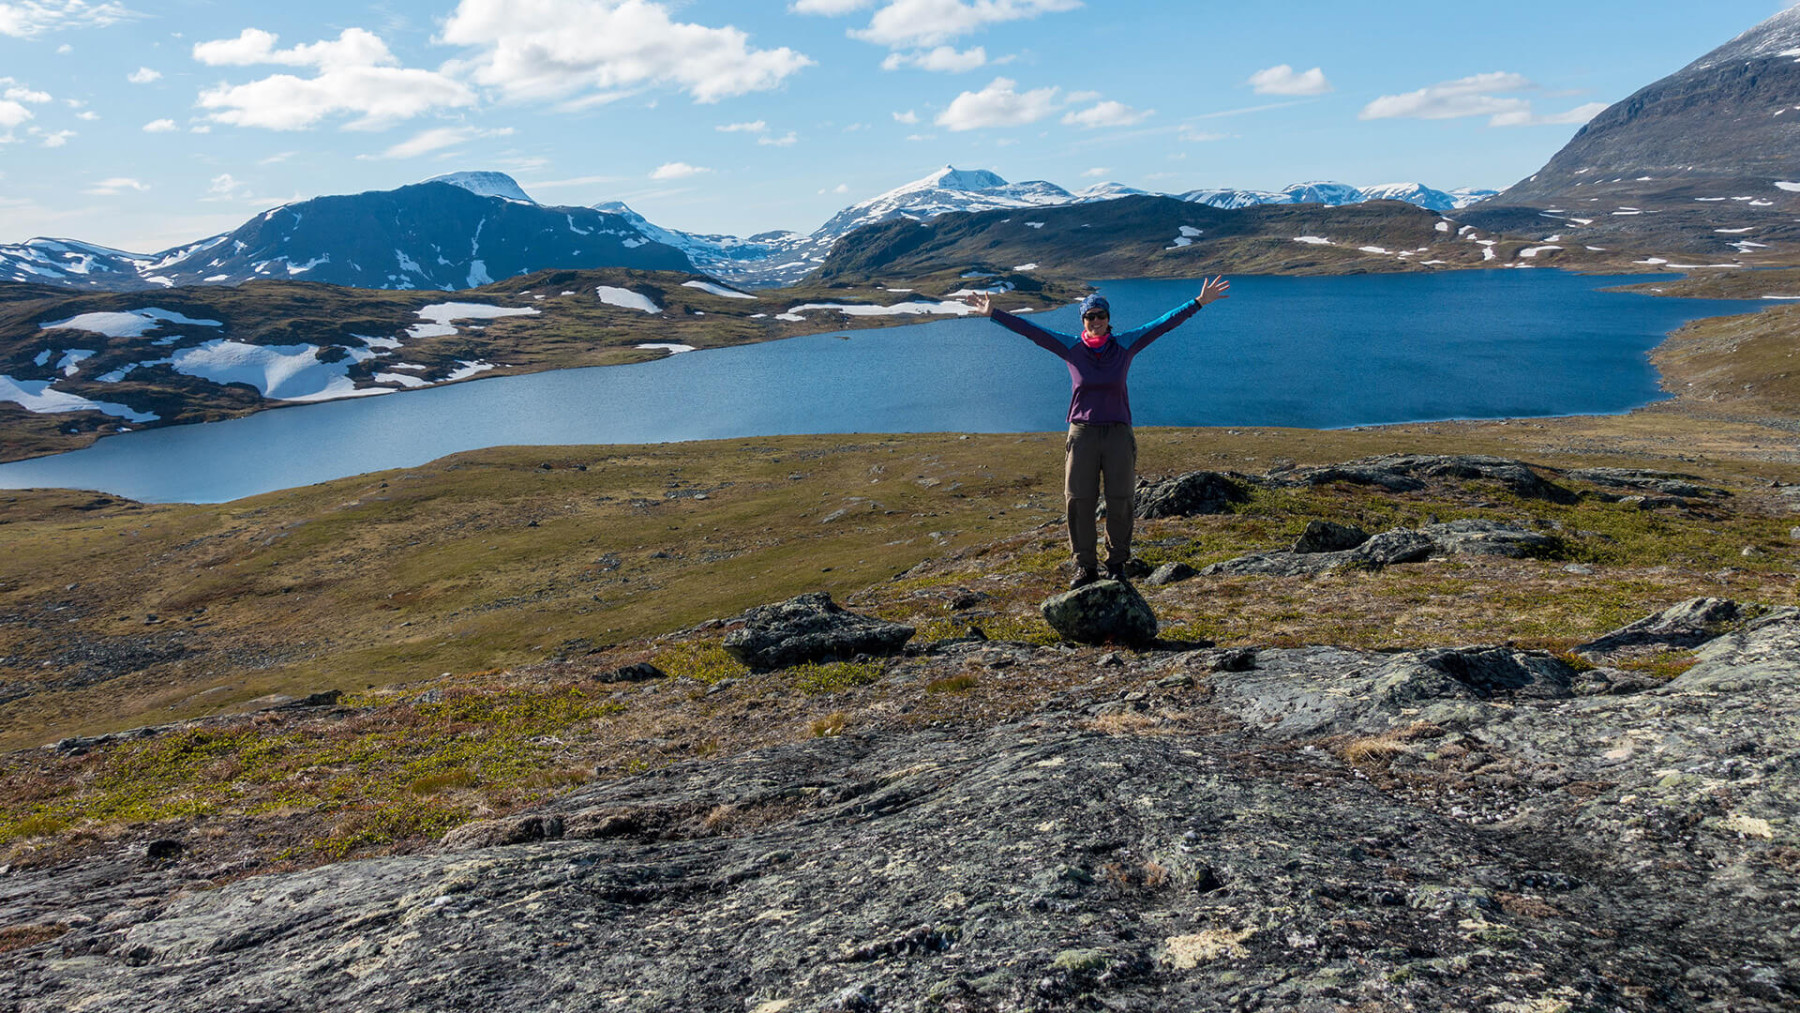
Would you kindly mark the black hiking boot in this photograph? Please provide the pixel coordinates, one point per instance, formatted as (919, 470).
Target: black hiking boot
(1117, 573)
(1083, 578)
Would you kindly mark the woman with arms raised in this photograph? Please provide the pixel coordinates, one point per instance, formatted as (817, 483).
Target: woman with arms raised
(1100, 438)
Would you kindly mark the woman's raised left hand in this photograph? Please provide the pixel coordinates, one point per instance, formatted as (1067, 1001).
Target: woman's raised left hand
(1213, 290)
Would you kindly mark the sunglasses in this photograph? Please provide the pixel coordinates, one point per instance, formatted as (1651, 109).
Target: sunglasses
(1096, 315)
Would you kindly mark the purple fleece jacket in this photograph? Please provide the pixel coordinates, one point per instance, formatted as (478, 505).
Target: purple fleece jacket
(1099, 376)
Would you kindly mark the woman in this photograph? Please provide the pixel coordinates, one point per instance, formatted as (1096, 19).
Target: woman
(1100, 438)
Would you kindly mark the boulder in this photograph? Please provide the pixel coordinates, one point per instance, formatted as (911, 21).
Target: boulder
(810, 627)
(1688, 624)
(1197, 492)
(1400, 545)
(1106, 611)
(1171, 573)
(1324, 536)
(643, 671)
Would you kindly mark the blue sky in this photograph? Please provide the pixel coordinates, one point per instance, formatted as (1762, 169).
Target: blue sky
(147, 123)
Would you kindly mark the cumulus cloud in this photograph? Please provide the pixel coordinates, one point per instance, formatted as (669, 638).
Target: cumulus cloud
(828, 7)
(1096, 172)
(946, 59)
(1479, 95)
(427, 141)
(1284, 80)
(12, 114)
(160, 127)
(1000, 104)
(544, 50)
(16, 92)
(144, 75)
(1108, 114)
(54, 139)
(752, 127)
(911, 24)
(908, 117)
(356, 76)
(28, 18)
(677, 170)
(840, 188)
(786, 140)
(116, 185)
(223, 186)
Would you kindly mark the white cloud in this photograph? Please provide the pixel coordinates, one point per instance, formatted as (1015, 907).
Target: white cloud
(116, 185)
(999, 105)
(677, 170)
(554, 50)
(908, 117)
(752, 127)
(1200, 136)
(19, 93)
(437, 139)
(356, 76)
(1468, 96)
(1108, 114)
(907, 24)
(1577, 116)
(1096, 172)
(28, 18)
(223, 185)
(88, 115)
(55, 139)
(944, 58)
(12, 113)
(280, 156)
(1283, 80)
(784, 141)
(840, 188)
(160, 127)
(827, 7)
(144, 75)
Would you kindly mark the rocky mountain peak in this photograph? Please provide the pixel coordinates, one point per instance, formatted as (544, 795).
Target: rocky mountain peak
(952, 178)
(1775, 38)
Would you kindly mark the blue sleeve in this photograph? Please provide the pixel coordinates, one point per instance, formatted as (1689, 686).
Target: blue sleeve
(1135, 341)
(1053, 341)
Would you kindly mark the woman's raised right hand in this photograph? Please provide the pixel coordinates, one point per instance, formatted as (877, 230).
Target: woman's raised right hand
(983, 303)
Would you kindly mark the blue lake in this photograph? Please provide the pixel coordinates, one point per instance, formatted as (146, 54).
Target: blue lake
(1308, 352)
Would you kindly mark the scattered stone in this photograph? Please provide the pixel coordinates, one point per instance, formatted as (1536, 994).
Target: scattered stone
(1752, 551)
(1579, 568)
(1653, 502)
(1197, 492)
(1394, 547)
(1325, 536)
(1688, 624)
(1171, 573)
(642, 671)
(1106, 611)
(327, 698)
(1794, 533)
(810, 627)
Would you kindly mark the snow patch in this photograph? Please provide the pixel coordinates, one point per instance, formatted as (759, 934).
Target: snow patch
(403, 379)
(1535, 250)
(465, 369)
(670, 347)
(1789, 187)
(1034, 225)
(129, 324)
(627, 299)
(1312, 240)
(70, 363)
(478, 273)
(1026, 267)
(439, 317)
(719, 290)
(39, 397)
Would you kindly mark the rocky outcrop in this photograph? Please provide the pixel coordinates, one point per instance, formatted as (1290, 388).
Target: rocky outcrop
(1390, 548)
(1296, 828)
(1325, 536)
(1104, 612)
(1411, 472)
(1197, 492)
(810, 627)
(1662, 482)
(1687, 624)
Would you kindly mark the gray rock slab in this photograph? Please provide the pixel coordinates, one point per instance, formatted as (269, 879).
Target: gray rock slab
(1686, 624)
(810, 627)
(1326, 536)
(1666, 483)
(1410, 472)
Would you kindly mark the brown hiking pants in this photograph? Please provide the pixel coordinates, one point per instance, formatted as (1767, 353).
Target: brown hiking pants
(1092, 449)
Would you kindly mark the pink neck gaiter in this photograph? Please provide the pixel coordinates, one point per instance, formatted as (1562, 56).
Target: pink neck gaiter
(1094, 341)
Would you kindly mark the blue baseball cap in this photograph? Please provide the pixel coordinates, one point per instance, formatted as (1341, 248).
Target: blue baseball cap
(1095, 302)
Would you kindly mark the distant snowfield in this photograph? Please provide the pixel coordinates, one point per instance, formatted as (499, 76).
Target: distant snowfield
(720, 290)
(1313, 240)
(671, 347)
(438, 317)
(627, 299)
(37, 396)
(1789, 187)
(129, 324)
(898, 309)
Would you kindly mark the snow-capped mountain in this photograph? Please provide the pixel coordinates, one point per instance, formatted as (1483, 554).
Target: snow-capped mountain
(486, 184)
(468, 228)
(455, 232)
